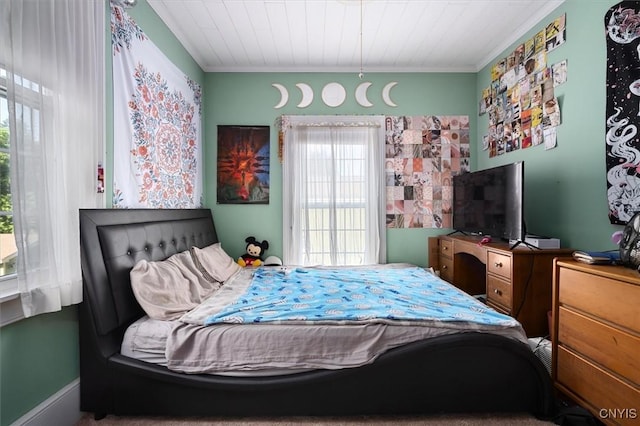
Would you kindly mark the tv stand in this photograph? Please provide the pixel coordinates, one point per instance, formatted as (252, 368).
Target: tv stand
(516, 280)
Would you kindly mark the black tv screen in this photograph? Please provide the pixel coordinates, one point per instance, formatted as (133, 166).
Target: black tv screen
(490, 202)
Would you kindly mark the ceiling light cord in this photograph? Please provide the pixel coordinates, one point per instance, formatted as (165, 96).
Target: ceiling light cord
(361, 74)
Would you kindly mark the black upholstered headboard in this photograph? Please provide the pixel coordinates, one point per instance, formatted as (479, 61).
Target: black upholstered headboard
(112, 241)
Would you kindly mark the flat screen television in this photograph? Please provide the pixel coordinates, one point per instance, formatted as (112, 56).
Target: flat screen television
(490, 202)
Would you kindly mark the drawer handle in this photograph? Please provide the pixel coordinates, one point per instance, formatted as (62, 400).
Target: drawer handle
(498, 292)
(445, 248)
(498, 264)
(444, 267)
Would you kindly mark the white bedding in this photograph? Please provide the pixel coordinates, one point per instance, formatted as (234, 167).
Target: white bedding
(146, 340)
(300, 348)
(186, 345)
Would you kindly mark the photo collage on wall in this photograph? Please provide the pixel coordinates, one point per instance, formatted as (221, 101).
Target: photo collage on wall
(422, 153)
(522, 107)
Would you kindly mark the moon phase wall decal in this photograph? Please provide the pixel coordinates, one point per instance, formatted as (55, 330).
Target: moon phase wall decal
(386, 96)
(284, 95)
(361, 94)
(307, 95)
(334, 94)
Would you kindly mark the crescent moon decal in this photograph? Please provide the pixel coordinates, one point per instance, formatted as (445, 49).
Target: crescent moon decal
(361, 94)
(307, 95)
(284, 95)
(385, 93)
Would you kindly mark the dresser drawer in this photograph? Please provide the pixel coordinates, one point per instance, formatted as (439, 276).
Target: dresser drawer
(446, 248)
(499, 264)
(594, 386)
(499, 292)
(446, 268)
(613, 348)
(603, 297)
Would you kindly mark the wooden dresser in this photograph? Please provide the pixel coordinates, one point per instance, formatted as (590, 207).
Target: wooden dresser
(596, 339)
(517, 281)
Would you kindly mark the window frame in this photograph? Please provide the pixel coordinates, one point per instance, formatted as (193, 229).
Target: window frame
(373, 154)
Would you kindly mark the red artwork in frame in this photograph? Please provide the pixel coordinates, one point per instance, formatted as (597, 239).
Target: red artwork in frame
(243, 164)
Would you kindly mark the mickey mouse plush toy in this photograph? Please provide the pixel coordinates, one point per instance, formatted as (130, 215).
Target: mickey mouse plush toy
(255, 251)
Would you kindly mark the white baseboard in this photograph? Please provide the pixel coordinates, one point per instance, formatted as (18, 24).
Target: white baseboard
(61, 409)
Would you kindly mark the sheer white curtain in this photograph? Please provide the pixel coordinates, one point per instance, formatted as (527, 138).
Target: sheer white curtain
(333, 190)
(53, 51)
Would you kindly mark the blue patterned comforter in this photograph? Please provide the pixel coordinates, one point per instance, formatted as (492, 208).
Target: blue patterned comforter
(350, 296)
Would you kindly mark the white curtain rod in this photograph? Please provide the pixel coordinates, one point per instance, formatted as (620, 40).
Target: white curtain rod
(337, 124)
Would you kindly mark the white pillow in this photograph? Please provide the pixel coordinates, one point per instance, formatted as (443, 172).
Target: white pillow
(167, 289)
(214, 263)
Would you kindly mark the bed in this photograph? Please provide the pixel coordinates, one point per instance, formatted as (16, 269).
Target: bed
(456, 372)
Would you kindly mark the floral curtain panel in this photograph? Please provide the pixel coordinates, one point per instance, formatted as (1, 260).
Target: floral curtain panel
(157, 124)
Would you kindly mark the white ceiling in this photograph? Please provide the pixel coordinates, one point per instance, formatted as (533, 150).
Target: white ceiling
(324, 35)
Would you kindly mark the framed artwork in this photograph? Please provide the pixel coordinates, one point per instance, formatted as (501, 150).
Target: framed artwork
(243, 164)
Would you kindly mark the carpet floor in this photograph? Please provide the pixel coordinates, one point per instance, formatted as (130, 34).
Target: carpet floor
(435, 420)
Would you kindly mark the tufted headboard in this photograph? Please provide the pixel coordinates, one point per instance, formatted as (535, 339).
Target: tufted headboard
(112, 241)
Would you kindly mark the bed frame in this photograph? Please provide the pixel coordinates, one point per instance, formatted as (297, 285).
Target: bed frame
(462, 373)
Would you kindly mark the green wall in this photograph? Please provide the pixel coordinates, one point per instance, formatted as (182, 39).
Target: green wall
(566, 188)
(249, 99)
(38, 357)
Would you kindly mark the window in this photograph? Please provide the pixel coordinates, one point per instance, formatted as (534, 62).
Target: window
(332, 182)
(8, 250)
(336, 203)
(54, 89)
(29, 119)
